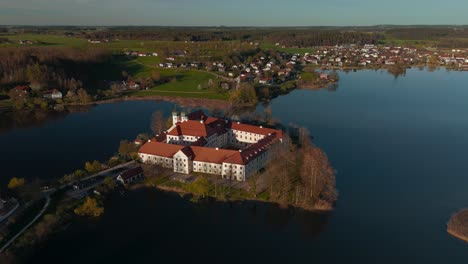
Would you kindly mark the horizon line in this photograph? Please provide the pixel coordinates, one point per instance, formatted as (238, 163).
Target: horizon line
(244, 26)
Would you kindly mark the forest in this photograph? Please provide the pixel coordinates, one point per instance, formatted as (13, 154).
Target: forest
(297, 36)
(300, 174)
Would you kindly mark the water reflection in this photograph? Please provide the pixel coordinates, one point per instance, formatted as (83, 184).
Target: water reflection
(274, 217)
(38, 117)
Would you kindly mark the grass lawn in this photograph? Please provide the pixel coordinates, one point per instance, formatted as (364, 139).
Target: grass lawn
(150, 61)
(185, 84)
(389, 40)
(309, 76)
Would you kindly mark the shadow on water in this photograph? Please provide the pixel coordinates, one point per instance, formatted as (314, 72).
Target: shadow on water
(30, 119)
(151, 219)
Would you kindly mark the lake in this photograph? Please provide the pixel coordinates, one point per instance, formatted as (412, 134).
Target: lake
(398, 145)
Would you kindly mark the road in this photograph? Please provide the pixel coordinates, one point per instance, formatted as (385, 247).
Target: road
(93, 184)
(48, 193)
(101, 173)
(28, 225)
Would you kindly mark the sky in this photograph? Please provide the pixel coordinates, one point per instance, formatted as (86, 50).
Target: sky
(233, 12)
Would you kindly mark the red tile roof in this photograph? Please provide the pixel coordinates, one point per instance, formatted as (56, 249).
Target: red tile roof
(188, 152)
(193, 128)
(212, 155)
(22, 88)
(253, 151)
(160, 149)
(255, 129)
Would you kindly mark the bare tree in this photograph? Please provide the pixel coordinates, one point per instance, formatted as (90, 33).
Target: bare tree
(158, 123)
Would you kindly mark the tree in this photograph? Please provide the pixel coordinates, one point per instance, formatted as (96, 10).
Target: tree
(253, 182)
(44, 227)
(268, 114)
(89, 208)
(83, 96)
(108, 185)
(93, 167)
(125, 75)
(245, 95)
(16, 183)
(78, 174)
(158, 124)
(35, 75)
(317, 176)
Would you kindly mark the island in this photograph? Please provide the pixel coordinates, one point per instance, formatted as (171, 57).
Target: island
(458, 225)
(227, 156)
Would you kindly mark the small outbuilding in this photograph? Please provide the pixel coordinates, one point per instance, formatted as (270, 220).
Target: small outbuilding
(131, 175)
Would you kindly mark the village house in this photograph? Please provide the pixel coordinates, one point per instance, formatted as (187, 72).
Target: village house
(198, 143)
(131, 175)
(21, 91)
(53, 94)
(132, 85)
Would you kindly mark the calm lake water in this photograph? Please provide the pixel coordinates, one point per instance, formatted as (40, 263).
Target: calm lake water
(399, 146)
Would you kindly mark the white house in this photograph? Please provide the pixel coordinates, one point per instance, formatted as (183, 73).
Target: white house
(53, 94)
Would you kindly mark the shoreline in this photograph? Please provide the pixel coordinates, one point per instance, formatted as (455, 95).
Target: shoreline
(455, 235)
(182, 101)
(182, 193)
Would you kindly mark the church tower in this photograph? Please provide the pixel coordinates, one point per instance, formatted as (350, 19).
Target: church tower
(175, 118)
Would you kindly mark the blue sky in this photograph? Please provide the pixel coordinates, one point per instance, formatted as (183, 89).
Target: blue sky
(232, 12)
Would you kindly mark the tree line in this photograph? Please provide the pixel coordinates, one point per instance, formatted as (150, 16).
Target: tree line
(301, 174)
(67, 69)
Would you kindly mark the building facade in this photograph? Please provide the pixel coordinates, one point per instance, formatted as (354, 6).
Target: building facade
(197, 143)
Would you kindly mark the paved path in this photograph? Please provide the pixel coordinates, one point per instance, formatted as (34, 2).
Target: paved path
(27, 226)
(47, 194)
(98, 174)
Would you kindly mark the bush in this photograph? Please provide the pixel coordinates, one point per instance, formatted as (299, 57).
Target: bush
(16, 183)
(89, 208)
(93, 167)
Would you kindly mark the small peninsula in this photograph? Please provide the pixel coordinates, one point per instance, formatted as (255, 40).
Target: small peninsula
(458, 225)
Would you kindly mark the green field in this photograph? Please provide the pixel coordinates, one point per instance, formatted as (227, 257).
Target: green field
(302, 51)
(45, 40)
(184, 84)
(409, 43)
